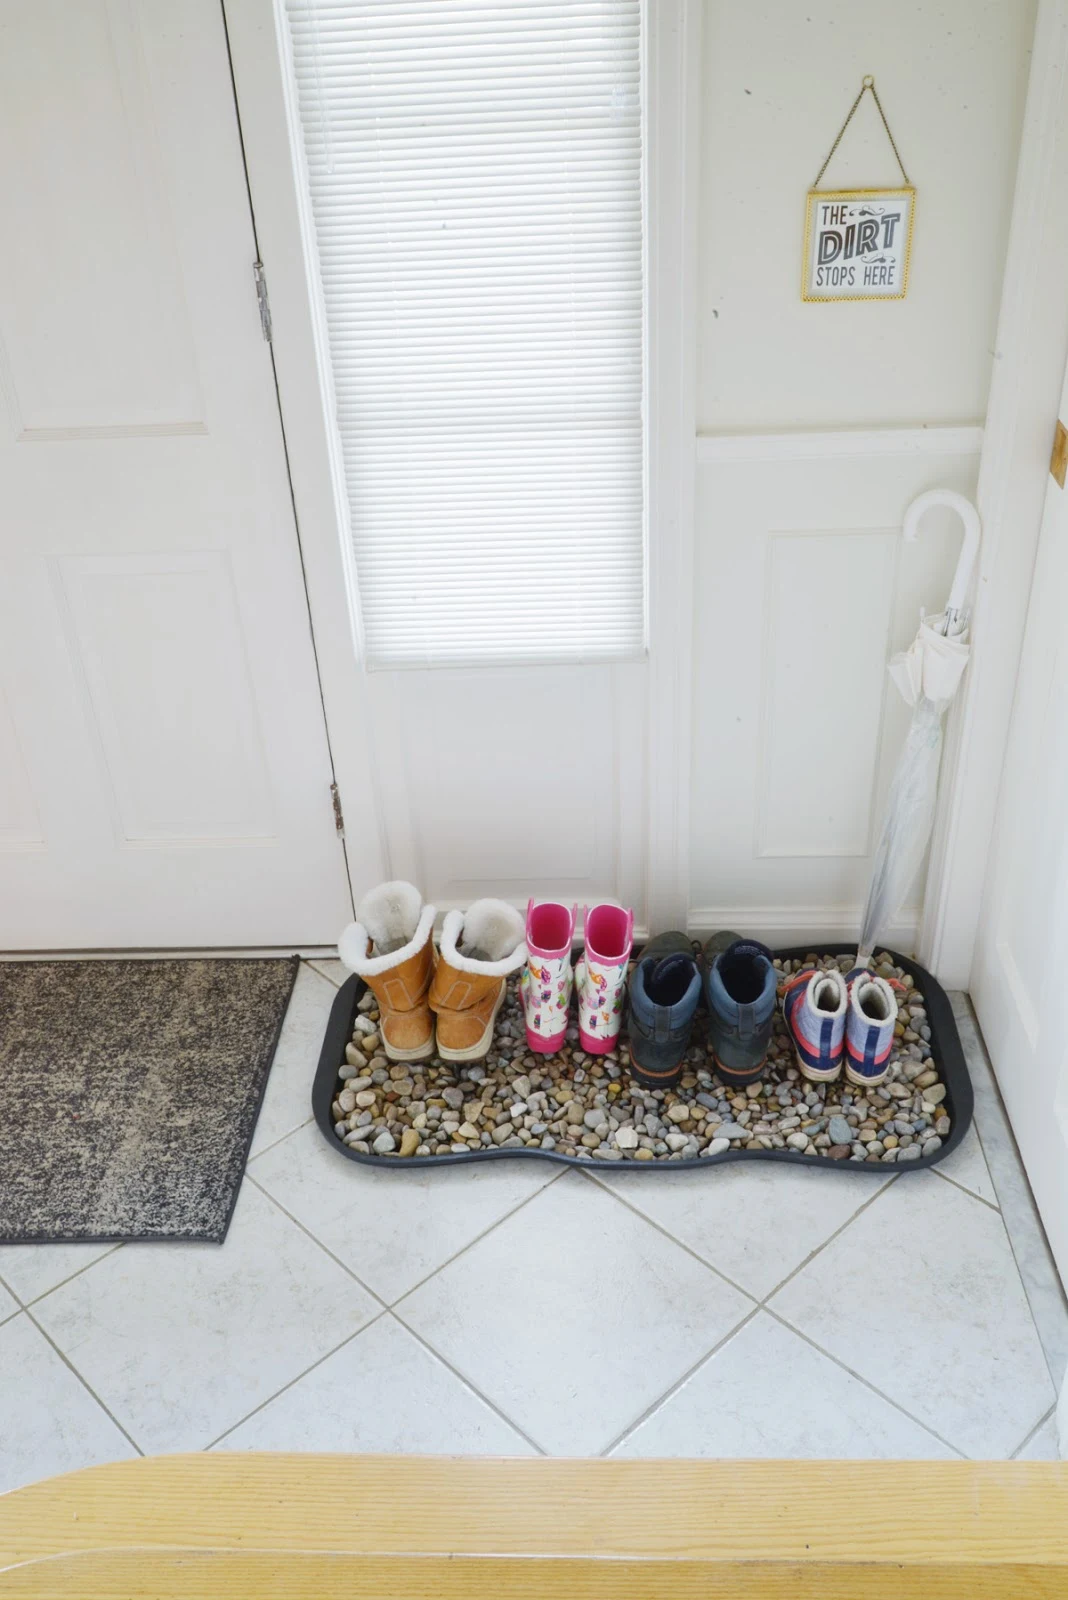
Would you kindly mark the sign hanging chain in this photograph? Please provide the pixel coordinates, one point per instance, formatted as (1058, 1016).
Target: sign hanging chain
(866, 83)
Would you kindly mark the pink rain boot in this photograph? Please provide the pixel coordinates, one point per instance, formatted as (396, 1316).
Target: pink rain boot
(545, 986)
(601, 976)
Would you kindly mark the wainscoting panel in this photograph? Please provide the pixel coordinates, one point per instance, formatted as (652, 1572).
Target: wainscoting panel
(803, 587)
(514, 781)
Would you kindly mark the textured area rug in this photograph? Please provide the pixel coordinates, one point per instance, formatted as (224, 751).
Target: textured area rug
(129, 1092)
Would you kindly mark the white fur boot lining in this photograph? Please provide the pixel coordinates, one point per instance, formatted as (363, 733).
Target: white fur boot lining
(492, 926)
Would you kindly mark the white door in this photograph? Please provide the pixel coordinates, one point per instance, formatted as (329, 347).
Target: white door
(1018, 980)
(164, 769)
(441, 780)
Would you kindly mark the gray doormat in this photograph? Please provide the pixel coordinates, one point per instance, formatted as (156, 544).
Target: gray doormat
(129, 1092)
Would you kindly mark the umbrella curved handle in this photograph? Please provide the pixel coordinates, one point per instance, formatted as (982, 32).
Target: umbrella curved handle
(969, 516)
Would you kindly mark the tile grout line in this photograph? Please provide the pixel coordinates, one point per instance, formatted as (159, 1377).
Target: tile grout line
(306, 1231)
(831, 1237)
(470, 1245)
(667, 1234)
(384, 1312)
(436, 1355)
(896, 1404)
(390, 1305)
(963, 1187)
(993, 1088)
(62, 1284)
(310, 961)
(467, 1383)
(276, 1142)
(67, 1362)
(18, 1303)
(674, 1388)
(1041, 1423)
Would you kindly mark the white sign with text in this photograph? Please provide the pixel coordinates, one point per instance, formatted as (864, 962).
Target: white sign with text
(857, 244)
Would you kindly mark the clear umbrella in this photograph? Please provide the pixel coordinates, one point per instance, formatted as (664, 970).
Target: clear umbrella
(927, 674)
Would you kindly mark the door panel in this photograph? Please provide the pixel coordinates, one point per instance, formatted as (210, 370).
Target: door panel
(804, 587)
(1017, 983)
(518, 781)
(167, 775)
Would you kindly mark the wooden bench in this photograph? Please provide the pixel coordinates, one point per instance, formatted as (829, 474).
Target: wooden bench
(307, 1527)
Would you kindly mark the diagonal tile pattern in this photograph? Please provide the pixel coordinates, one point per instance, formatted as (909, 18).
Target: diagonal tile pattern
(391, 1228)
(920, 1296)
(8, 1304)
(384, 1392)
(51, 1423)
(755, 1311)
(32, 1269)
(182, 1341)
(755, 1222)
(574, 1315)
(767, 1393)
(287, 1101)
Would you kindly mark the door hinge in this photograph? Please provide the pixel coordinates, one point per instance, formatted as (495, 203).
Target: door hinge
(1058, 461)
(339, 820)
(261, 299)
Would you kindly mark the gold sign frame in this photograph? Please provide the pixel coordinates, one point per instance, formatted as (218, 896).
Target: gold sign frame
(817, 197)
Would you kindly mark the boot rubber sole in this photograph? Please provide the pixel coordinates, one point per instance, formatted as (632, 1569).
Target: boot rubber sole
(736, 1079)
(653, 1080)
(859, 1081)
(818, 1074)
(546, 1047)
(598, 1045)
(479, 1051)
(418, 1052)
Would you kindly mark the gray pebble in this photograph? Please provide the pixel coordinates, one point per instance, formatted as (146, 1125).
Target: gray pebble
(840, 1131)
(384, 1144)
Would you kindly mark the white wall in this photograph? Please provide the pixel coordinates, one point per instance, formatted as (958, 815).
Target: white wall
(779, 76)
(818, 424)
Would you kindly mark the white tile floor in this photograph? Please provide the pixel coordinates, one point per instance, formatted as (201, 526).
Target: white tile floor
(518, 1309)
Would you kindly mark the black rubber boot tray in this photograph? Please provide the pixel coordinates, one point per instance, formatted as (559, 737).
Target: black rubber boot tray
(587, 1110)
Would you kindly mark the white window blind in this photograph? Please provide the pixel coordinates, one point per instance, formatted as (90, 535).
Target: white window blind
(475, 174)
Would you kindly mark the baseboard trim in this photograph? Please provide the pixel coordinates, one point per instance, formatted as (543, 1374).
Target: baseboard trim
(789, 925)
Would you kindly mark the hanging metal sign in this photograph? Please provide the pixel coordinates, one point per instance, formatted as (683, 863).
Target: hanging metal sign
(858, 241)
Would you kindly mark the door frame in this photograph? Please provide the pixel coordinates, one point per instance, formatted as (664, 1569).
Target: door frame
(1030, 352)
(267, 108)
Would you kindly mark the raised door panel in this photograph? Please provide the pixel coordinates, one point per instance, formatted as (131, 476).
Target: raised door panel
(513, 782)
(94, 330)
(157, 645)
(20, 824)
(828, 602)
(803, 588)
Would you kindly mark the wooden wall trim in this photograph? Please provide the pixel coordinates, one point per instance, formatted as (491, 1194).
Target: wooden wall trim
(267, 1524)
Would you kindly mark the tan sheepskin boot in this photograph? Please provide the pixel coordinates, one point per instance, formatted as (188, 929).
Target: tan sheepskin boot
(390, 946)
(479, 948)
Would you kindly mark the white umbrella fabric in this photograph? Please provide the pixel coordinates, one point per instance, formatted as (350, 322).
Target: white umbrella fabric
(928, 675)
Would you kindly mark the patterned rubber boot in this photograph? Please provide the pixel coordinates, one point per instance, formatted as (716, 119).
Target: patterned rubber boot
(545, 985)
(601, 976)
